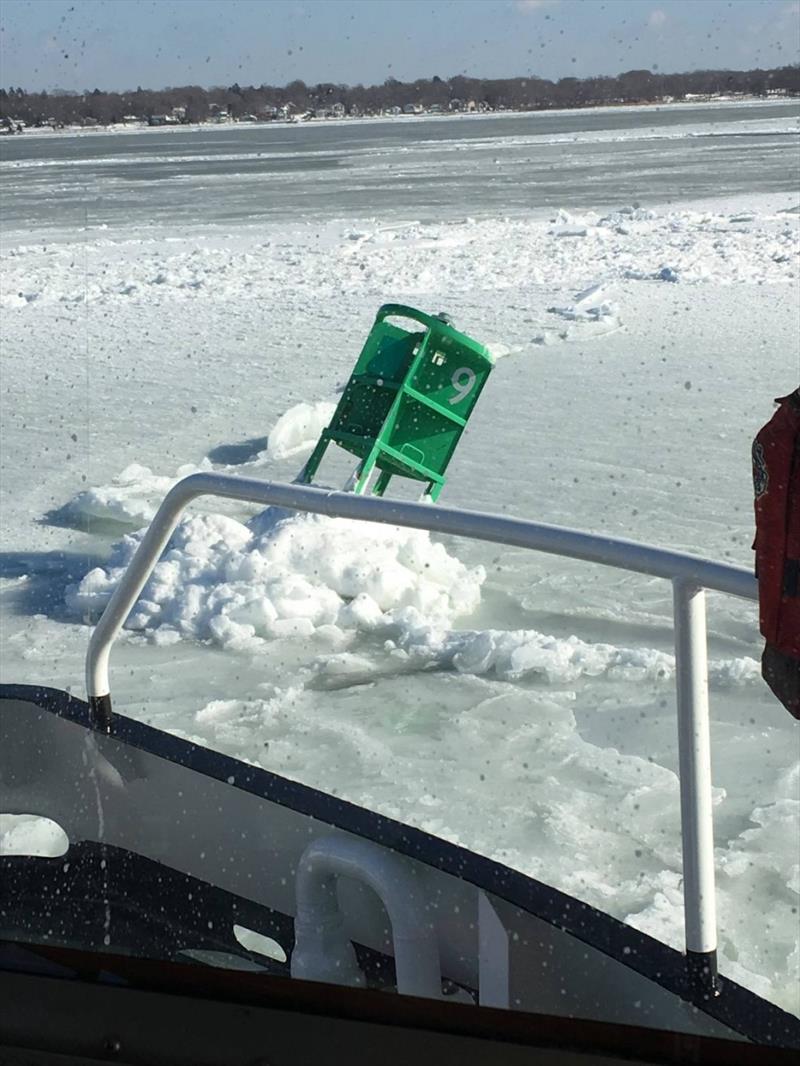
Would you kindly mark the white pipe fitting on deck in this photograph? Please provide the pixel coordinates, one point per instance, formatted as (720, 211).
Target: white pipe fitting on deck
(323, 951)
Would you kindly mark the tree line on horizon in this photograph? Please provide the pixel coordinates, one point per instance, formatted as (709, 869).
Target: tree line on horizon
(526, 93)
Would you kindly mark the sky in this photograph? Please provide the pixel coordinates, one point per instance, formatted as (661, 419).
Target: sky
(121, 44)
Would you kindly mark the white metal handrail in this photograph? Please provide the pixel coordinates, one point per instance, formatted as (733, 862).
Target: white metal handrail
(689, 575)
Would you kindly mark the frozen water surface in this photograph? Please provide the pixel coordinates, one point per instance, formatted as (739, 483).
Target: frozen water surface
(194, 299)
(429, 168)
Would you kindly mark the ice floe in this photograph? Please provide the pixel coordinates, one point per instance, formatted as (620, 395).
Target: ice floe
(298, 429)
(433, 259)
(591, 313)
(131, 498)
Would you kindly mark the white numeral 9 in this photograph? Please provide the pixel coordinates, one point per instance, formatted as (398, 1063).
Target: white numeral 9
(462, 381)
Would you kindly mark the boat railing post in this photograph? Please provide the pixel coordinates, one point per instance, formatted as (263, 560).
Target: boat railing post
(694, 756)
(124, 596)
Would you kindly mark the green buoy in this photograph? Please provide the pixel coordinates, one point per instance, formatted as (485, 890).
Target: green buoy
(407, 401)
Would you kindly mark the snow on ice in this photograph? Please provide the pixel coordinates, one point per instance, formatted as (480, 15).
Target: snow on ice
(287, 575)
(689, 245)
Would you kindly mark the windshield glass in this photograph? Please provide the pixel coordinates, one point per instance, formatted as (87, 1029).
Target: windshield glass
(205, 205)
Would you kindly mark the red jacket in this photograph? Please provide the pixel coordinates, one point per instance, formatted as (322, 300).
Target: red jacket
(776, 480)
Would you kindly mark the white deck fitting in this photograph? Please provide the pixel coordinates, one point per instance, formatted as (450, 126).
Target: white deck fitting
(322, 948)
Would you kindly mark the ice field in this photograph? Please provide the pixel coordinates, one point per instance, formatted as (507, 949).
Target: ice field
(193, 299)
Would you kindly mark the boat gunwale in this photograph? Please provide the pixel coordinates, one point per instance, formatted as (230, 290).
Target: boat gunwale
(736, 1007)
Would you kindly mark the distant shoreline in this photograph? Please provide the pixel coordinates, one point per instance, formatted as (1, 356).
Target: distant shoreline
(144, 127)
